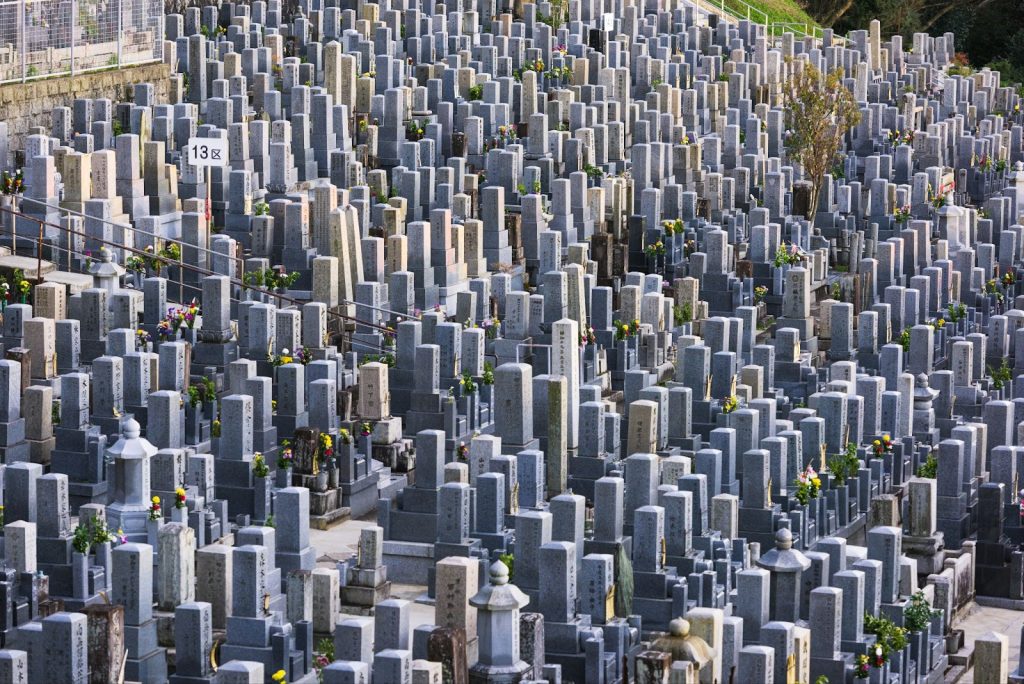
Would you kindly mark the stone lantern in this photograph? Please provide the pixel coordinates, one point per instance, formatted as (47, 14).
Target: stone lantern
(497, 624)
(786, 565)
(685, 647)
(130, 459)
(106, 274)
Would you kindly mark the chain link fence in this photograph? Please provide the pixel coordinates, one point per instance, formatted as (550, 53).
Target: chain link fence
(43, 38)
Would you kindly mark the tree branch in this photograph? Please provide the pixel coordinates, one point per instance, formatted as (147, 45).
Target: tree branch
(838, 14)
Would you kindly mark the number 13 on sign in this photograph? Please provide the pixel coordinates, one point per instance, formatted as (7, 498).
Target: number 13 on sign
(207, 152)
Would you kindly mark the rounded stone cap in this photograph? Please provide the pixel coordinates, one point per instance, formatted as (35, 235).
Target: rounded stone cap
(783, 539)
(131, 429)
(499, 573)
(679, 627)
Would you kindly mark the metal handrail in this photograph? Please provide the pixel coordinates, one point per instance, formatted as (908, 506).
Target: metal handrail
(180, 264)
(156, 237)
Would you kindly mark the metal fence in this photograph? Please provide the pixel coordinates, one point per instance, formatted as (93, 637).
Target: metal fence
(43, 38)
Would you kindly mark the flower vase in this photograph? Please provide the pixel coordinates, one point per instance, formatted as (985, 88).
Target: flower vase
(79, 575)
(103, 557)
(346, 459)
(320, 484)
(6, 208)
(332, 477)
(261, 504)
(153, 530)
(179, 515)
(284, 478)
(366, 445)
(193, 423)
(878, 675)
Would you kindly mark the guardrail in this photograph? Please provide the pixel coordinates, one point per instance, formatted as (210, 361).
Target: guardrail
(34, 246)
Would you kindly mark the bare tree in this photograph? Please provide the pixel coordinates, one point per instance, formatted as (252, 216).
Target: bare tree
(819, 112)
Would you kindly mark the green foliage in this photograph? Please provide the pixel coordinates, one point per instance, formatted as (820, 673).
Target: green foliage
(488, 376)
(202, 391)
(887, 634)
(325, 647)
(845, 465)
(682, 313)
(918, 614)
(956, 311)
(785, 257)
(929, 468)
(269, 522)
(772, 12)
(388, 359)
(259, 466)
(1001, 375)
(476, 92)
(467, 383)
(92, 533)
(904, 340)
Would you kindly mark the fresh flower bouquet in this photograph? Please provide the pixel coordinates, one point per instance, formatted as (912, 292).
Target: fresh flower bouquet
(808, 485)
(882, 446)
(656, 249)
(285, 459)
(326, 450)
(12, 184)
(259, 465)
(625, 330)
(587, 336)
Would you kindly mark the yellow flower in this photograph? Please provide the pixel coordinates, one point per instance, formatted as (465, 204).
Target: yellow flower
(286, 359)
(941, 322)
(179, 491)
(877, 443)
(156, 499)
(885, 437)
(816, 481)
(279, 676)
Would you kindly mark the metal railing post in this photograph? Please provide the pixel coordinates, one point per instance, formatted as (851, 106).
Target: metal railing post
(39, 255)
(74, 17)
(120, 19)
(24, 42)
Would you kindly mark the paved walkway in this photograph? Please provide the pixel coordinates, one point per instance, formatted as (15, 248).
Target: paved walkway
(983, 620)
(339, 543)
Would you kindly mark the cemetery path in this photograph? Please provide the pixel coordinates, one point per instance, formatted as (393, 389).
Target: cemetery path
(340, 542)
(982, 620)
